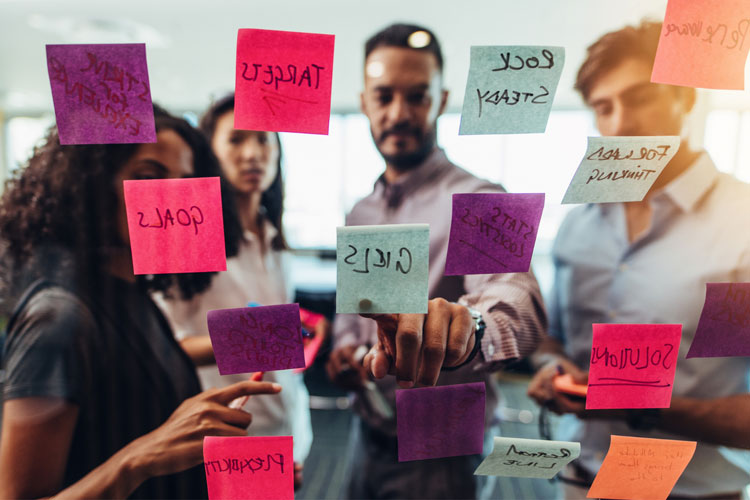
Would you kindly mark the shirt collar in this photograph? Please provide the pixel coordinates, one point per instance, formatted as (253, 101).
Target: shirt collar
(430, 169)
(687, 189)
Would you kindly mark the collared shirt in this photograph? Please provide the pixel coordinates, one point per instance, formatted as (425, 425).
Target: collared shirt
(698, 234)
(510, 304)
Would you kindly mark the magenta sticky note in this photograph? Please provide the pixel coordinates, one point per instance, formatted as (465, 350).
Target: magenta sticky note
(704, 43)
(493, 232)
(443, 421)
(283, 81)
(101, 93)
(256, 339)
(724, 326)
(175, 225)
(257, 467)
(632, 366)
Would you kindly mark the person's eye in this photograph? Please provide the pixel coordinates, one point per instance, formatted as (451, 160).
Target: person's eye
(146, 175)
(235, 139)
(383, 99)
(262, 139)
(602, 109)
(417, 98)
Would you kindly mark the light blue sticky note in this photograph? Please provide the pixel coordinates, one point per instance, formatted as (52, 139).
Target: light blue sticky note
(382, 269)
(620, 169)
(510, 88)
(518, 457)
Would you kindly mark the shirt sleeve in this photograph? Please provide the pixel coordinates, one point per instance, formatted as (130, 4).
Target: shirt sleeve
(183, 315)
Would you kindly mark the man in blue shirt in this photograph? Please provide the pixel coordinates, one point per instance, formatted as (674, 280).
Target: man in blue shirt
(648, 262)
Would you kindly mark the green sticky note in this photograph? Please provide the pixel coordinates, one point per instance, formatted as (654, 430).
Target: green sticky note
(518, 457)
(510, 89)
(382, 269)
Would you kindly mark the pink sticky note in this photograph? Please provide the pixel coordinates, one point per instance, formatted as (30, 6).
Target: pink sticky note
(101, 93)
(261, 468)
(632, 366)
(175, 225)
(493, 232)
(255, 339)
(283, 81)
(443, 421)
(724, 326)
(704, 43)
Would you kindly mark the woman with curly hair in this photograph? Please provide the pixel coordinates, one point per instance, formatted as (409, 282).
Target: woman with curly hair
(98, 398)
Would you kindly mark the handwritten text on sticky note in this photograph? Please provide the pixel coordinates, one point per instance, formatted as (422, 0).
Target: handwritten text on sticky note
(724, 325)
(510, 89)
(283, 81)
(519, 457)
(249, 467)
(175, 225)
(255, 339)
(493, 232)
(382, 269)
(101, 93)
(619, 169)
(442, 421)
(641, 468)
(632, 366)
(704, 43)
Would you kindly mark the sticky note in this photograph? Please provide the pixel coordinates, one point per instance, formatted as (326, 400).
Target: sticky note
(382, 269)
(510, 89)
(519, 457)
(261, 468)
(641, 468)
(442, 421)
(618, 169)
(101, 93)
(175, 225)
(632, 366)
(493, 232)
(704, 43)
(283, 81)
(256, 339)
(724, 326)
(565, 384)
(311, 349)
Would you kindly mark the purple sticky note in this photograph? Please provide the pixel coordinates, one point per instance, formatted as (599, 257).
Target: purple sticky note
(724, 326)
(493, 232)
(435, 422)
(255, 339)
(101, 93)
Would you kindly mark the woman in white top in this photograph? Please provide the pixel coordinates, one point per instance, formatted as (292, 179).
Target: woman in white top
(251, 162)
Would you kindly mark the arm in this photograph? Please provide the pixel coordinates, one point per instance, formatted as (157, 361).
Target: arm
(199, 349)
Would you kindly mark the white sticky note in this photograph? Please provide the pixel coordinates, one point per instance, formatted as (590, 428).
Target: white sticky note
(519, 457)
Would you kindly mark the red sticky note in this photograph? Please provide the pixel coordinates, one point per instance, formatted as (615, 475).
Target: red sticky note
(283, 81)
(641, 468)
(704, 43)
(101, 93)
(632, 366)
(175, 225)
(261, 468)
(310, 350)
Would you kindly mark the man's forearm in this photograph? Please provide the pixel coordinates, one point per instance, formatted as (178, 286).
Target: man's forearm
(722, 421)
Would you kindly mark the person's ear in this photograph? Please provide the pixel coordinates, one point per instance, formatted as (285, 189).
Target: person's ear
(443, 101)
(362, 102)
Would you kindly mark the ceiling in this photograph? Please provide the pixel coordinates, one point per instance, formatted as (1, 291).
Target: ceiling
(191, 45)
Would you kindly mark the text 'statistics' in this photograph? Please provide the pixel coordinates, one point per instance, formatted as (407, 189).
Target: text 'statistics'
(724, 326)
(493, 232)
(257, 467)
(283, 81)
(175, 225)
(619, 169)
(382, 269)
(638, 468)
(510, 89)
(704, 43)
(519, 457)
(442, 421)
(256, 339)
(632, 366)
(101, 93)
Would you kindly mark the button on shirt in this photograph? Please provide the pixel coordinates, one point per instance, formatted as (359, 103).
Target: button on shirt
(699, 233)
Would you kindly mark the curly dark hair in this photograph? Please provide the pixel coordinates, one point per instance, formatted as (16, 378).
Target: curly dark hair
(58, 215)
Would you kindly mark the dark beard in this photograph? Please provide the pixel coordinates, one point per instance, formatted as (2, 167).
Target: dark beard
(408, 161)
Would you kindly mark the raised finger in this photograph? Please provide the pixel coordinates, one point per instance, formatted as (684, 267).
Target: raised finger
(226, 395)
(434, 341)
(408, 347)
(459, 334)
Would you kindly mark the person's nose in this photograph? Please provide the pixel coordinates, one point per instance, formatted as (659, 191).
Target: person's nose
(623, 121)
(251, 150)
(398, 110)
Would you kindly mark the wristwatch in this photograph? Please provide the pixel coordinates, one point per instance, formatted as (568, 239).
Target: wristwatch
(479, 326)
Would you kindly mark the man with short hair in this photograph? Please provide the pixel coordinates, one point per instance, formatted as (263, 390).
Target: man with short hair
(403, 97)
(648, 262)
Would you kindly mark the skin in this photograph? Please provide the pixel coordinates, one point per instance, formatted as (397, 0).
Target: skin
(37, 432)
(626, 103)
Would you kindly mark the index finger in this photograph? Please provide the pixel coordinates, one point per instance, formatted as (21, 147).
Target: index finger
(245, 388)
(408, 348)
(388, 322)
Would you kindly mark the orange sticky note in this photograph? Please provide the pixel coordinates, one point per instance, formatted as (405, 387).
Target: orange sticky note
(565, 383)
(175, 225)
(261, 468)
(704, 43)
(641, 468)
(283, 81)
